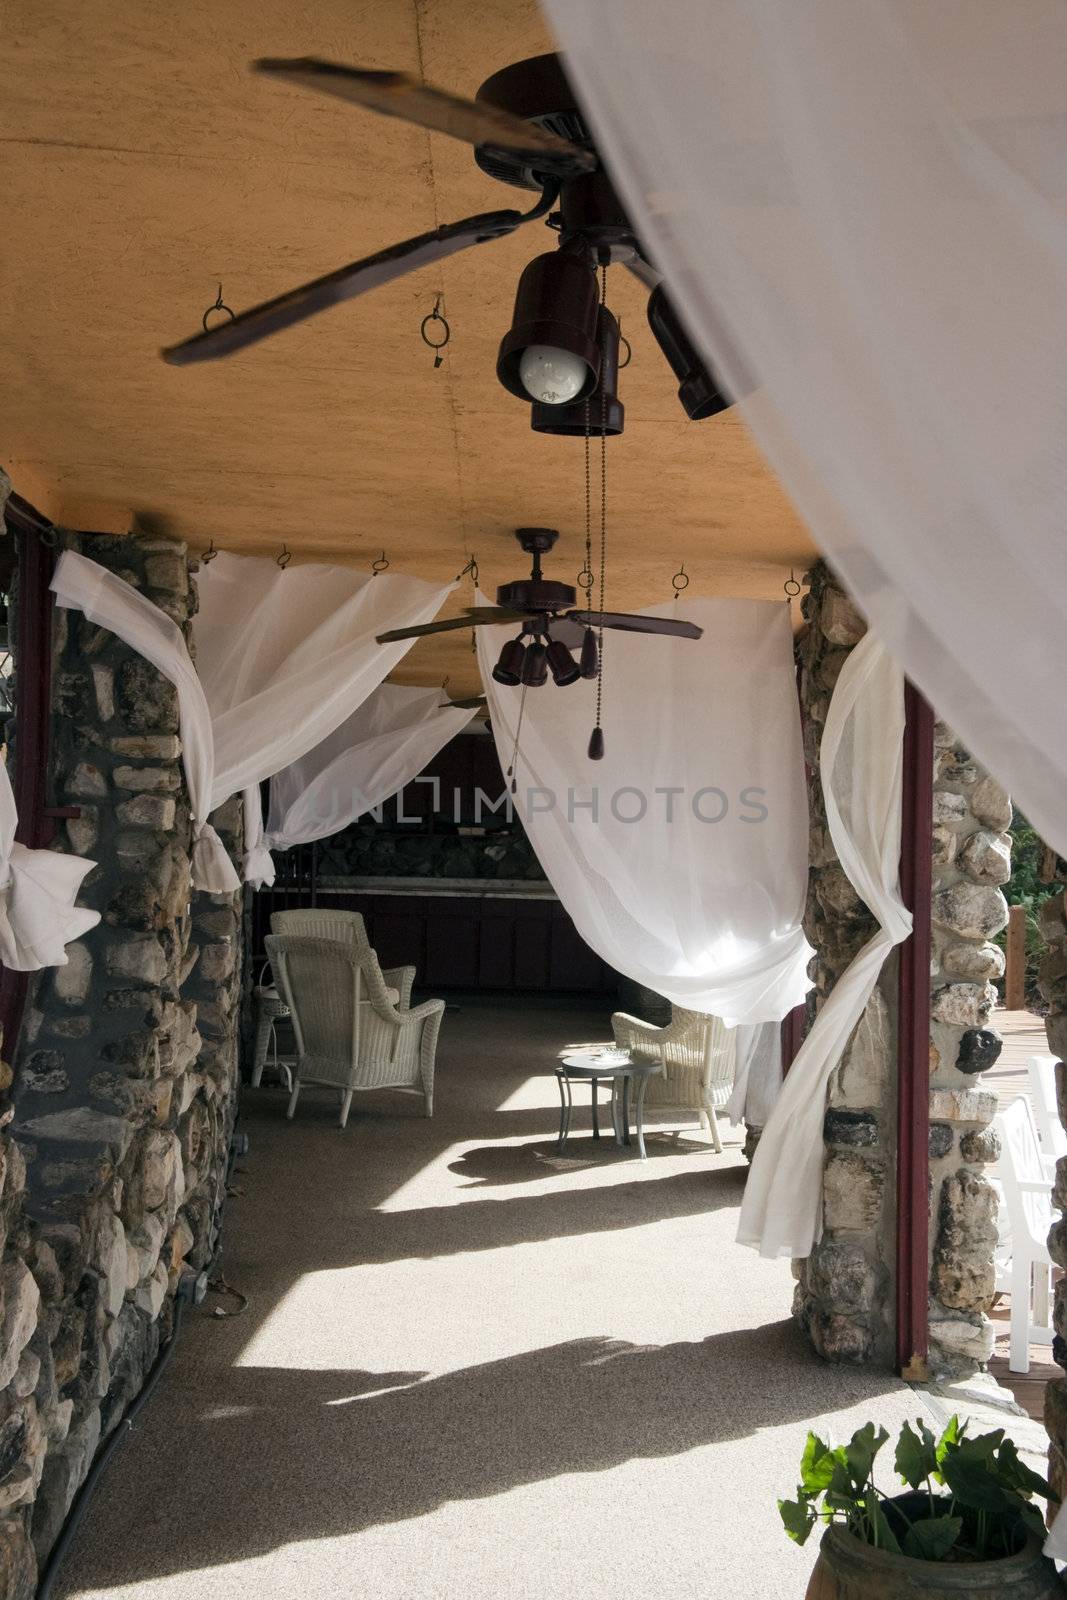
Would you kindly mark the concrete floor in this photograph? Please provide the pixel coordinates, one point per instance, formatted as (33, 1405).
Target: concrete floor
(468, 1369)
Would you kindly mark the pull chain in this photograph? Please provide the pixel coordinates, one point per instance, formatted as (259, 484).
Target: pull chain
(515, 748)
(596, 738)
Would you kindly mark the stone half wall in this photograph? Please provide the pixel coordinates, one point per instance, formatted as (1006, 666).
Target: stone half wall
(115, 1146)
(845, 1294)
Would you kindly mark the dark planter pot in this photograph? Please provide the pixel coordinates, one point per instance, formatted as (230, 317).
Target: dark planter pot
(849, 1569)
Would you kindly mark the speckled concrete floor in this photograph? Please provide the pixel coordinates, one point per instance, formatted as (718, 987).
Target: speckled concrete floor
(469, 1371)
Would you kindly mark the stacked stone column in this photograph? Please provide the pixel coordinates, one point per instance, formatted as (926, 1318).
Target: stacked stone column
(1052, 982)
(125, 1076)
(845, 1296)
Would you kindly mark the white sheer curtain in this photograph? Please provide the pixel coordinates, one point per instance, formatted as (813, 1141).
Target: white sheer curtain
(282, 658)
(38, 888)
(384, 745)
(682, 856)
(861, 767)
(860, 209)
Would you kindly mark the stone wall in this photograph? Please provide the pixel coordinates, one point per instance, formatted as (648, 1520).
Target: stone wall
(845, 1295)
(1052, 982)
(117, 1126)
(972, 858)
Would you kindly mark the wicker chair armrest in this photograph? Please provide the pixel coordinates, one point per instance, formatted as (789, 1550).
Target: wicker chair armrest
(401, 978)
(634, 1028)
(427, 1008)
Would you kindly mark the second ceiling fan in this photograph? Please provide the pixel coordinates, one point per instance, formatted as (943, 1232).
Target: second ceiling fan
(528, 130)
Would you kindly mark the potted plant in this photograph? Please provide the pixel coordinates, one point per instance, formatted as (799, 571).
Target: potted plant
(966, 1525)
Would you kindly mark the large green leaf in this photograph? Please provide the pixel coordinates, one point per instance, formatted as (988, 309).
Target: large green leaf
(817, 1465)
(972, 1483)
(953, 1433)
(885, 1538)
(798, 1517)
(862, 1449)
(916, 1458)
(982, 1447)
(932, 1539)
(1015, 1474)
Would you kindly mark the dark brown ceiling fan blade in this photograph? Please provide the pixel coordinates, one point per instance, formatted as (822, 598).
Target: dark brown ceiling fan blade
(344, 284)
(447, 626)
(395, 94)
(632, 623)
(472, 704)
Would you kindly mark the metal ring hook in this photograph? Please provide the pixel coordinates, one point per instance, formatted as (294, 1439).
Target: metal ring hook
(680, 580)
(218, 305)
(791, 586)
(472, 568)
(379, 565)
(210, 553)
(629, 348)
(285, 557)
(436, 345)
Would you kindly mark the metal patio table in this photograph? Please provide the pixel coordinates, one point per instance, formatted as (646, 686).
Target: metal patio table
(588, 1065)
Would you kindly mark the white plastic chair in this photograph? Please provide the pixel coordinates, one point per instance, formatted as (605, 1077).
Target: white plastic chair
(1026, 1181)
(349, 1033)
(1050, 1130)
(697, 1056)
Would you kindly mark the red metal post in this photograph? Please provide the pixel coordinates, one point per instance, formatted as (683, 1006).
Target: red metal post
(33, 691)
(913, 1041)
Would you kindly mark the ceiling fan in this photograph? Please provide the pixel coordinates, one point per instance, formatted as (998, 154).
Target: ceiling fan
(542, 604)
(528, 130)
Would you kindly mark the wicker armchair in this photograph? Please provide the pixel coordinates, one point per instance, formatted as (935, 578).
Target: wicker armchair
(697, 1055)
(346, 926)
(349, 1033)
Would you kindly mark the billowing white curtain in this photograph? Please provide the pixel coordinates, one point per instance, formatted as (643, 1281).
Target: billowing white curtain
(111, 603)
(383, 746)
(682, 856)
(860, 209)
(282, 657)
(38, 888)
(758, 1074)
(861, 768)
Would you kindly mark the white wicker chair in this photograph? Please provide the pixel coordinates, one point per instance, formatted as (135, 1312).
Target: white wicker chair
(347, 926)
(349, 1033)
(697, 1057)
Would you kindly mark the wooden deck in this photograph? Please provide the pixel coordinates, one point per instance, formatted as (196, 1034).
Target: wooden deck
(1024, 1036)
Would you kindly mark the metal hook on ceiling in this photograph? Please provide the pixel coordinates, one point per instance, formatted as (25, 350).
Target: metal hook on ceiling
(472, 568)
(791, 586)
(624, 341)
(218, 304)
(210, 553)
(285, 557)
(379, 565)
(436, 345)
(680, 580)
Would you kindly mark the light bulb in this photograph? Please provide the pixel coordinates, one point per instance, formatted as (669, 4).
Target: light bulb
(551, 375)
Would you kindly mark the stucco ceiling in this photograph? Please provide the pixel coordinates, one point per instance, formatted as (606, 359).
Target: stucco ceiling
(145, 166)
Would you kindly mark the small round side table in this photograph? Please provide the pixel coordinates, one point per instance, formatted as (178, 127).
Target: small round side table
(593, 1064)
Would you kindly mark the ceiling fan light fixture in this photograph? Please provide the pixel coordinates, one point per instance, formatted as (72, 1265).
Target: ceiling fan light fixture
(699, 390)
(510, 664)
(561, 664)
(535, 667)
(606, 411)
(550, 353)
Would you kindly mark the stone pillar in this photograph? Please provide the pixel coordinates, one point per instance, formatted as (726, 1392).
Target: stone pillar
(972, 858)
(125, 1077)
(846, 1293)
(1052, 981)
(843, 1298)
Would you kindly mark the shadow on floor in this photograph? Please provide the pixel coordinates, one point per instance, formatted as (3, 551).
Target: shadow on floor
(285, 1455)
